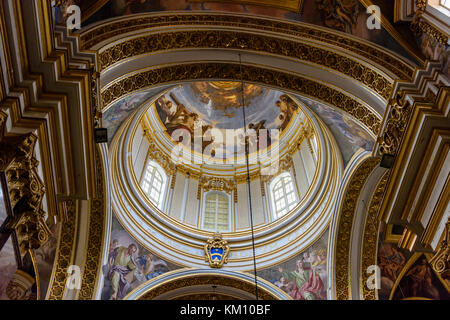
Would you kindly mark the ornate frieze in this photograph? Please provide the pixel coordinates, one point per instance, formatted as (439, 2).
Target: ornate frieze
(214, 183)
(399, 114)
(95, 238)
(239, 40)
(370, 239)
(345, 225)
(64, 255)
(26, 191)
(93, 36)
(441, 260)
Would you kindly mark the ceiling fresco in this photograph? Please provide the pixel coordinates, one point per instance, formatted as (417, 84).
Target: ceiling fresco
(216, 104)
(348, 16)
(121, 110)
(210, 107)
(305, 276)
(129, 265)
(349, 135)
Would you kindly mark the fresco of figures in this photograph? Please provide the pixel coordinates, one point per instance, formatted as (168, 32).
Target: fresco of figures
(129, 265)
(213, 107)
(435, 51)
(417, 282)
(119, 112)
(303, 277)
(350, 135)
(421, 282)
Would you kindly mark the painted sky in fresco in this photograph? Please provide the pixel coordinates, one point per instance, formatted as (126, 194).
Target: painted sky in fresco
(121, 110)
(349, 135)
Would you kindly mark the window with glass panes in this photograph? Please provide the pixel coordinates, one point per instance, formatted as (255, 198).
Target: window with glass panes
(216, 215)
(153, 184)
(284, 195)
(445, 3)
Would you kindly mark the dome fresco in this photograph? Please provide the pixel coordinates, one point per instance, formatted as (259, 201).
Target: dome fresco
(218, 105)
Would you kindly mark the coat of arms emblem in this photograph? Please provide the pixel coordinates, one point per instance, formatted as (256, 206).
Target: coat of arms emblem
(216, 251)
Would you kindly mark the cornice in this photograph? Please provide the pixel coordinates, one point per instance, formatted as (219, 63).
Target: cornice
(97, 34)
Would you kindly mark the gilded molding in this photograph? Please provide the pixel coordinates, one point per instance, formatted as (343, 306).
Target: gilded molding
(228, 71)
(157, 155)
(64, 255)
(214, 183)
(370, 238)
(441, 260)
(95, 238)
(285, 165)
(344, 227)
(420, 26)
(26, 190)
(209, 280)
(398, 117)
(149, 44)
(397, 66)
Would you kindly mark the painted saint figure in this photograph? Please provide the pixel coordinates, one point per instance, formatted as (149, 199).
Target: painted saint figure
(121, 262)
(308, 284)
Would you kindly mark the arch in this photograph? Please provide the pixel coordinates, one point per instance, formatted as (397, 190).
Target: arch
(341, 70)
(174, 284)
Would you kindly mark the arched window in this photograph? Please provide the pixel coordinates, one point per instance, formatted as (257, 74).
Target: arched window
(284, 196)
(216, 217)
(154, 183)
(445, 4)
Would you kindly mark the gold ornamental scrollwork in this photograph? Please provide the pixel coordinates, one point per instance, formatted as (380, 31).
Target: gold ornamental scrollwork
(441, 260)
(398, 117)
(239, 40)
(95, 237)
(26, 191)
(157, 155)
(370, 239)
(216, 251)
(345, 224)
(110, 30)
(219, 184)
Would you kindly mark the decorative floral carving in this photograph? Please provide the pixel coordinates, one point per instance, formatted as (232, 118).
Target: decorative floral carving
(345, 225)
(107, 31)
(26, 191)
(441, 260)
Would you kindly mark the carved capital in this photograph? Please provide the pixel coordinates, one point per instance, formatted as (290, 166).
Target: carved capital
(399, 113)
(26, 190)
(19, 288)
